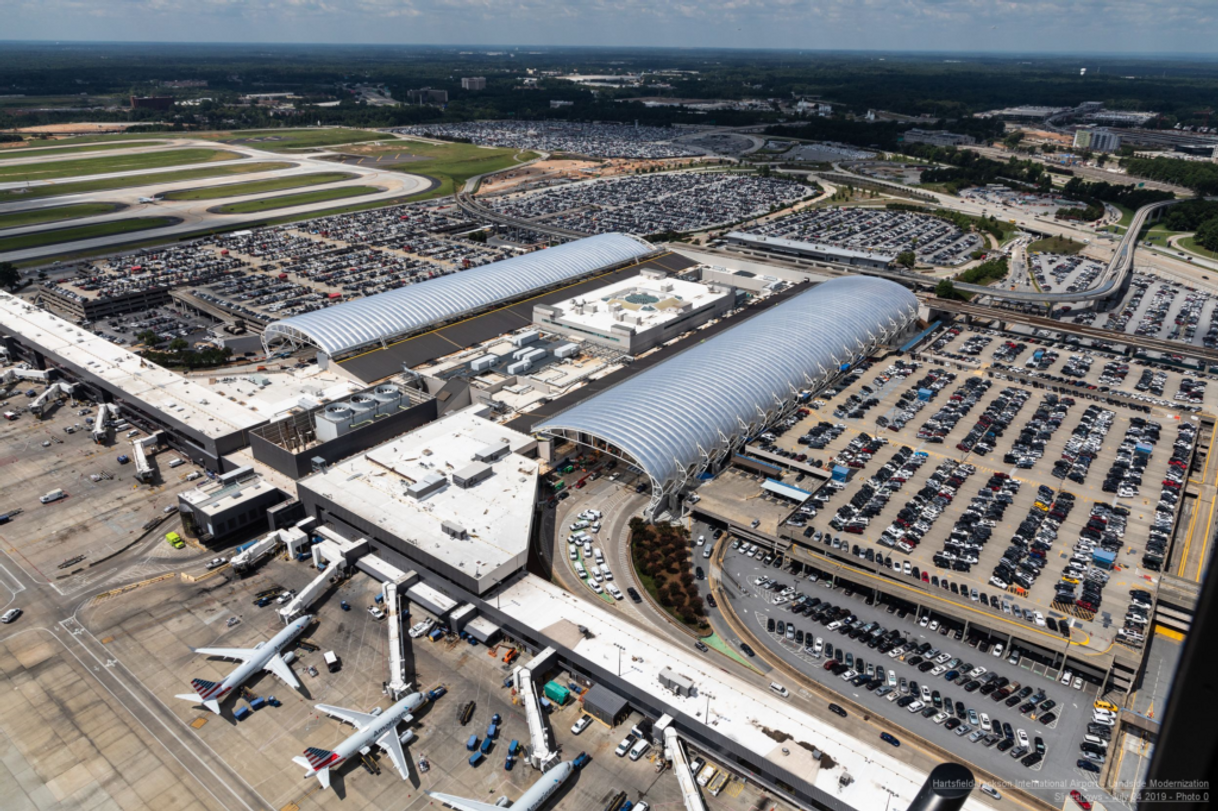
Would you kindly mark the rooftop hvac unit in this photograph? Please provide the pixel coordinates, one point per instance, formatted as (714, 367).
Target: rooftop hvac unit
(387, 397)
(363, 406)
(334, 421)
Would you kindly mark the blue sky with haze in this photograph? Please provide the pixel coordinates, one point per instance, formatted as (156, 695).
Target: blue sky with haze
(1129, 26)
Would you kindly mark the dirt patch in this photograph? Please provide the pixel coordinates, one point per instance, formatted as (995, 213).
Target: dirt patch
(87, 128)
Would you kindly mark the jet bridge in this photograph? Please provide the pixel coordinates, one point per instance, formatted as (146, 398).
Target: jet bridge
(543, 756)
(105, 413)
(674, 750)
(52, 394)
(143, 465)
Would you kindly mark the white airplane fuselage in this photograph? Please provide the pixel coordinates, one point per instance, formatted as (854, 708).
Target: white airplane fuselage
(368, 735)
(256, 663)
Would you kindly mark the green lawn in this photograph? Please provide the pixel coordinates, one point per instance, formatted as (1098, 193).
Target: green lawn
(39, 216)
(1055, 245)
(54, 170)
(285, 140)
(258, 186)
(290, 200)
(108, 184)
(63, 235)
(1190, 244)
(450, 164)
(27, 152)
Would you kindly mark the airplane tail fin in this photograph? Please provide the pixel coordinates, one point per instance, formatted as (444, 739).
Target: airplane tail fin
(207, 693)
(318, 761)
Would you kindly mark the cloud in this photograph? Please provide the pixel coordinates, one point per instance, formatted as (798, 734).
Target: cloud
(972, 25)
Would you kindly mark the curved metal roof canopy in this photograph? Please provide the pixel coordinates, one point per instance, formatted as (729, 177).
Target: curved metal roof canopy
(365, 321)
(680, 416)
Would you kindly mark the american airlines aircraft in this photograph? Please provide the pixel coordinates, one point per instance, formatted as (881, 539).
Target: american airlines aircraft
(531, 800)
(381, 729)
(263, 656)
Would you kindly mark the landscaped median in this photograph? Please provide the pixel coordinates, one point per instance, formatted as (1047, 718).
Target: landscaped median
(57, 236)
(40, 216)
(108, 164)
(274, 184)
(293, 200)
(130, 181)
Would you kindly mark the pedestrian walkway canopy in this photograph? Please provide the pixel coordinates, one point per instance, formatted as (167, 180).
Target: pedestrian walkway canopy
(685, 415)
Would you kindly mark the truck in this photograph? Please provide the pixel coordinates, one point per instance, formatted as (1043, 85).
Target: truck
(332, 661)
(174, 540)
(717, 783)
(707, 774)
(53, 496)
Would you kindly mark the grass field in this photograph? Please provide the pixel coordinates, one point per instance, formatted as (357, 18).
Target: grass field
(258, 186)
(450, 164)
(1055, 245)
(63, 235)
(18, 219)
(108, 184)
(27, 152)
(290, 200)
(1190, 244)
(283, 140)
(55, 170)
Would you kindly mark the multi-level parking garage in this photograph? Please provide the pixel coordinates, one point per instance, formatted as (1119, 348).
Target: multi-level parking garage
(685, 416)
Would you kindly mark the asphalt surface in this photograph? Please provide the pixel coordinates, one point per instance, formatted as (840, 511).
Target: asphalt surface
(196, 215)
(753, 607)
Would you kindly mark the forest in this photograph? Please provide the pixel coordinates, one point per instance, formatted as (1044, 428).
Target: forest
(48, 82)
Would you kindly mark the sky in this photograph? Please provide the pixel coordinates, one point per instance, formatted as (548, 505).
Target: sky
(1059, 26)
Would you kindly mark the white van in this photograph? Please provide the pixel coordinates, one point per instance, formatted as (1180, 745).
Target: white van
(639, 749)
(779, 689)
(54, 495)
(176, 462)
(573, 550)
(580, 570)
(600, 556)
(608, 575)
(1096, 740)
(614, 591)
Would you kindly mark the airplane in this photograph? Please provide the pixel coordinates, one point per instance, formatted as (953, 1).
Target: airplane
(531, 800)
(379, 728)
(263, 656)
(147, 200)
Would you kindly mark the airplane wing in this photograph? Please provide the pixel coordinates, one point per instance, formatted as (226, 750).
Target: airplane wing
(393, 747)
(355, 719)
(244, 654)
(280, 668)
(462, 804)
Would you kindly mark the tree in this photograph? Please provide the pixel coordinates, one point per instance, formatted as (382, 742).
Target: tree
(1012, 139)
(10, 277)
(945, 289)
(907, 259)
(1207, 234)
(178, 344)
(148, 337)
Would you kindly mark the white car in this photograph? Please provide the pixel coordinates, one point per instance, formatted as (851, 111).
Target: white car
(376, 612)
(1023, 738)
(940, 717)
(10, 615)
(915, 706)
(583, 723)
(924, 621)
(934, 625)
(985, 722)
(1078, 683)
(1066, 676)
(997, 651)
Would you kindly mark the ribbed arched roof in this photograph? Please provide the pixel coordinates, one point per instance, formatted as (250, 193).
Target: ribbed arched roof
(678, 415)
(366, 321)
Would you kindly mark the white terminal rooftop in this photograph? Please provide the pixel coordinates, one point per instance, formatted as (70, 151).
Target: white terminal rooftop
(749, 716)
(639, 302)
(457, 492)
(194, 404)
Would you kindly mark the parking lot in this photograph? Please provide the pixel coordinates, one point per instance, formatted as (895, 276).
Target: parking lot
(940, 476)
(934, 241)
(1028, 204)
(593, 140)
(653, 204)
(1058, 719)
(276, 272)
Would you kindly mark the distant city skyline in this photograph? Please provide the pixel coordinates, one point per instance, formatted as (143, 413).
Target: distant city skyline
(1146, 27)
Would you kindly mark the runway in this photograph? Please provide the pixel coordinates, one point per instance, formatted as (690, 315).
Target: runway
(196, 215)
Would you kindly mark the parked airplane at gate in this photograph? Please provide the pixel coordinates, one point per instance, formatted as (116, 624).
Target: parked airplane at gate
(531, 800)
(379, 728)
(263, 656)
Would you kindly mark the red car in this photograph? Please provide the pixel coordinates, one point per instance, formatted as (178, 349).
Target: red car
(1082, 801)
